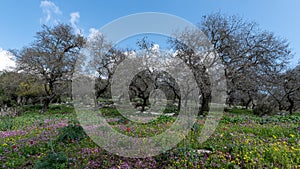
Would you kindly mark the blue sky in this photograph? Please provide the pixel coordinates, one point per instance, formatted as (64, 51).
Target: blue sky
(20, 20)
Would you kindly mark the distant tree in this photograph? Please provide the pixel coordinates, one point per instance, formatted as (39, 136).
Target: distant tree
(30, 90)
(51, 57)
(284, 89)
(249, 54)
(104, 61)
(9, 82)
(193, 48)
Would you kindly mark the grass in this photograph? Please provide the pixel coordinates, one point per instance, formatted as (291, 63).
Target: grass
(241, 140)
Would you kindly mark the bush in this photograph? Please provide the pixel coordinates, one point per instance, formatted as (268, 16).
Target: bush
(52, 161)
(264, 109)
(71, 133)
(162, 119)
(6, 123)
(170, 108)
(236, 110)
(60, 109)
(110, 112)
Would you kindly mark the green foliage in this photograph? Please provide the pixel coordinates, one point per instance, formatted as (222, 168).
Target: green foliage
(236, 110)
(279, 119)
(239, 141)
(52, 161)
(71, 133)
(170, 108)
(53, 109)
(6, 123)
(162, 119)
(60, 109)
(110, 112)
(184, 157)
(261, 120)
(31, 108)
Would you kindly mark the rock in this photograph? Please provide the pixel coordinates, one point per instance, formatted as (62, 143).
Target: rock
(155, 113)
(169, 114)
(202, 151)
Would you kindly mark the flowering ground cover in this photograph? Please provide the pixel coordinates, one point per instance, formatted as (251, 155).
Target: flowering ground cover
(56, 140)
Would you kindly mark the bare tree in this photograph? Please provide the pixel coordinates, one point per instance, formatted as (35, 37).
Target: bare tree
(250, 55)
(284, 89)
(52, 57)
(104, 59)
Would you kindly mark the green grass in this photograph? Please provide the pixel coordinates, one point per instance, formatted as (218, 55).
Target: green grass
(241, 140)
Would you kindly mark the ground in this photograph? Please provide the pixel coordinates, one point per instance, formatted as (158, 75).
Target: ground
(56, 140)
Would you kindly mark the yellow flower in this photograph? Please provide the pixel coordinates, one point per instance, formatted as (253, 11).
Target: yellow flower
(274, 137)
(4, 145)
(292, 135)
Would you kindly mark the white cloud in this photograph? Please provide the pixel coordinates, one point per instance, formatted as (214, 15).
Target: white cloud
(7, 60)
(75, 16)
(49, 9)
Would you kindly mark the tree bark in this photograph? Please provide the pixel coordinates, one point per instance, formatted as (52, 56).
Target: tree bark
(292, 104)
(46, 104)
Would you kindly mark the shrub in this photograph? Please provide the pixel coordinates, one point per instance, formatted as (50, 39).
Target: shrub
(239, 111)
(71, 133)
(6, 123)
(110, 112)
(162, 119)
(52, 161)
(264, 109)
(170, 108)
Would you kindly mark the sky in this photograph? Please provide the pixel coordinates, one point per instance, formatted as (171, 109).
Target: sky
(20, 20)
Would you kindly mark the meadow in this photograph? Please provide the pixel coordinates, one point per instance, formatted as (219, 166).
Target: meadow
(55, 139)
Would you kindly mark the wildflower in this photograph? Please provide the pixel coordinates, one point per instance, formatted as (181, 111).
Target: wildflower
(274, 137)
(31, 142)
(4, 145)
(292, 135)
(14, 146)
(128, 129)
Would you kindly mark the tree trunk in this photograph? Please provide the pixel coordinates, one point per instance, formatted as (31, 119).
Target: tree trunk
(205, 100)
(292, 104)
(46, 104)
(248, 103)
(144, 104)
(179, 104)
